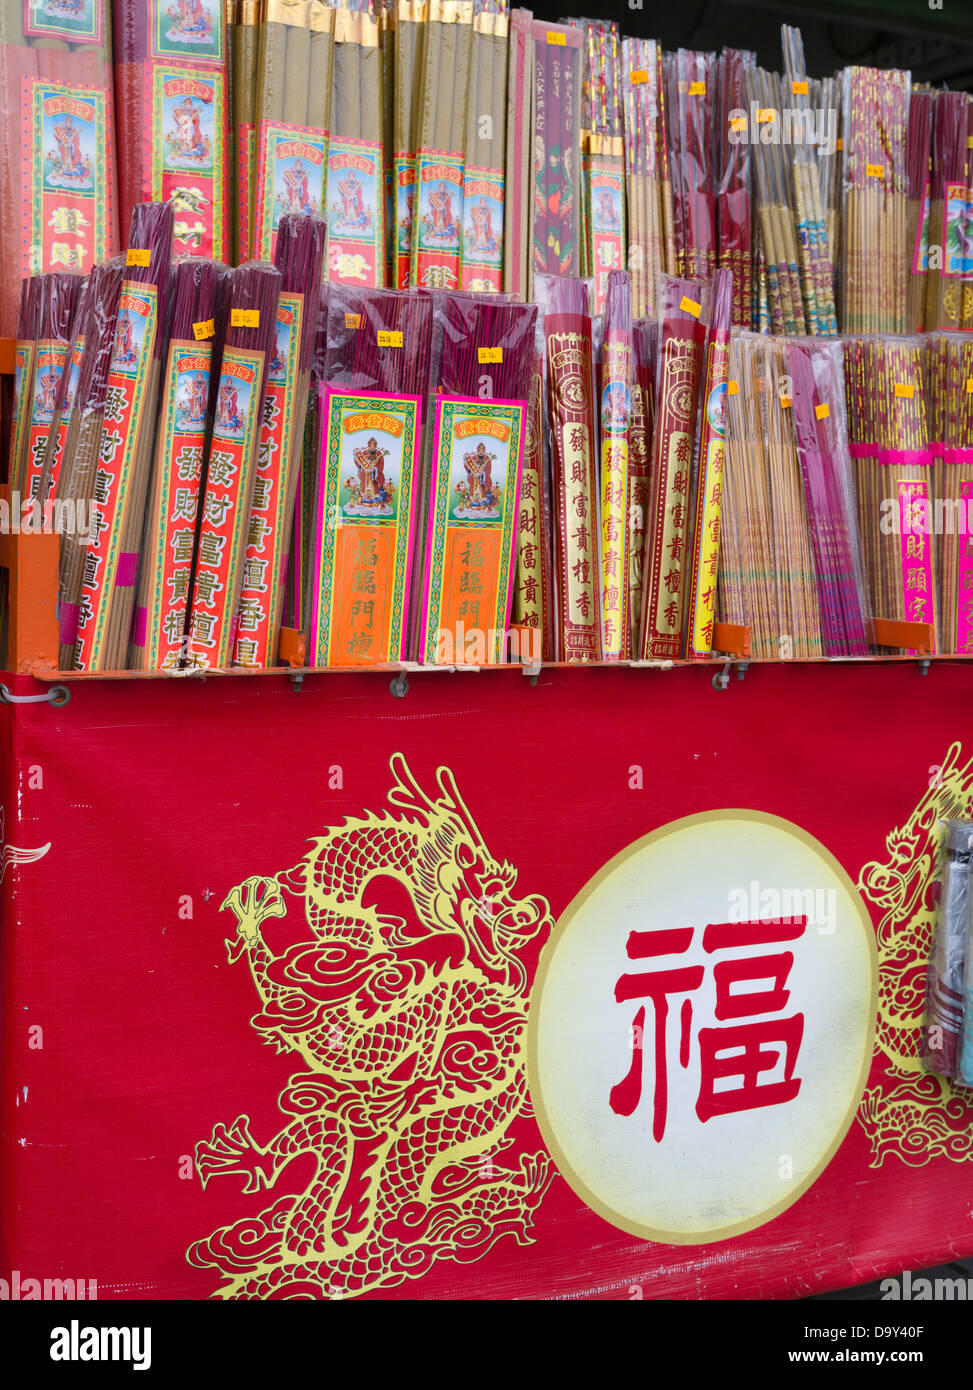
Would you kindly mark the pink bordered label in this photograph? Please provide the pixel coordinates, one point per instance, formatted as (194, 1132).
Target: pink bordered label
(916, 550)
(964, 581)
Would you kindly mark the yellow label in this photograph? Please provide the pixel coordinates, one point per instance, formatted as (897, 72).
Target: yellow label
(875, 171)
(785, 402)
(559, 39)
(697, 89)
(904, 392)
(353, 320)
(136, 255)
(245, 318)
(639, 76)
(732, 388)
(822, 411)
(738, 123)
(800, 89)
(205, 329)
(689, 306)
(388, 339)
(765, 114)
(969, 142)
(489, 354)
(839, 144)
(969, 385)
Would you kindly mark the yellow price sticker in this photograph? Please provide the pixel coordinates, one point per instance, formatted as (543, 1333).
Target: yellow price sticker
(353, 320)
(732, 388)
(785, 402)
(800, 89)
(689, 306)
(494, 354)
(738, 123)
(839, 144)
(765, 114)
(205, 329)
(875, 171)
(969, 385)
(389, 339)
(904, 392)
(697, 89)
(822, 412)
(639, 76)
(136, 255)
(245, 318)
(559, 39)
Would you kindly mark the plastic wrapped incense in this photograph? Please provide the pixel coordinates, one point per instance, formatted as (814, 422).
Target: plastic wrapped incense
(533, 600)
(773, 204)
(300, 256)
(644, 338)
(517, 219)
(646, 211)
(948, 380)
(706, 496)
(690, 95)
(875, 258)
(231, 464)
(28, 325)
(411, 21)
(110, 568)
(50, 461)
(483, 191)
(804, 137)
(243, 43)
(889, 447)
(733, 204)
(356, 162)
(574, 472)
(292, 114)
(616, 419)
(683, 312)
(171, 95)
(603, 235)
(918, 154)
(59, 302)
(556, 176)
(378, 340)
(827, 101)
(944, 1034)
(57, 143)
(158, 637)
(297, 570)
(947, 214)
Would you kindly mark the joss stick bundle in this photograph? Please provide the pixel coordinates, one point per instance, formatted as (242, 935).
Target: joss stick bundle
(889, 447)
(807, 203)
(683, 309)
(918, 155)
(640, 87)
(705, 498)
(639, 459)
(778, 239)
(59, 301)
(378, 340)
(28, 323)
(556, 177)
(733, 208)
(296, 576)
(440, 145)
(947, 212)
(532, 600)
(171, 104)
(356, 195)
(875, 258)
(827, 99)
(690, 114)
(299, 258)
(948, 380)
(162, 612)
(517, 222)
(231, 464)
(603, 221)
(574, 485)
(616, 417)
(483, 190)
(50, 459)
(243, 41)
(411, 22)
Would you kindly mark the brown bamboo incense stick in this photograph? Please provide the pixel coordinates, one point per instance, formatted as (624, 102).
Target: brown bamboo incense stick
(519, 153)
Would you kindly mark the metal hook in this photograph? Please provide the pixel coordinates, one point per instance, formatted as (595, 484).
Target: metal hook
(58, 695)
(297, 684)
(721, 679)
(399, 685)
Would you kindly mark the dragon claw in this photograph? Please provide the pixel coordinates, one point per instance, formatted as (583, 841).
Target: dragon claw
(232, 1149)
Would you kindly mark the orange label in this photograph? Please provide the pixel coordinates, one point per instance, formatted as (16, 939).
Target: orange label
(689, 306)
(738, 123)
(245, 318)
(822, 411)
(839, 144)
(904, 392)
(488, 354)
(639, 76)
(559, 39)
(969, 385)
(203, 330)
(800, 89)
(353, 320)
(697, 89)
(785, 402)
(136, 255)
(732, 388)
(875, 171)
(765, 114)
(389, 339)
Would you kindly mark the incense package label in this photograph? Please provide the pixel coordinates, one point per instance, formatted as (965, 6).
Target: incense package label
(607, 203)
(957, 252)
(135, 332)
(264, 559)
(616, 414)
(66, 175)
(920, 252)
(74, 372)
(532, 581)
(237, 419)
(917, 583)
(436, 234)
(964, 579)
(356, 213)
(71, 21)
(366, 508)
(474, 498)
(51, 360)
(404, 180)
(190, 29)
(246, 141)
(706, 525)
(483, 231)
(188, 169)
(291, 171)
(160, 626)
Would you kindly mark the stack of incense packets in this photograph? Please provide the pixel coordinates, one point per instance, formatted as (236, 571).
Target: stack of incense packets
(807, 202)
(299, 258)
(356, 193)
(771, 187)
(603, 172)
(918, 154)
(556, 176)
(644, 339)
(231, 465)
(947, 214)
(411, 22)
(689, 94)
(161, 623)
(50, 459)
(483, 195)
(533, 604)
(948, 384)
(60, 298)
(616, 422)
(28, 323)
(518, 178)
(125, 452)
(733, 203)
(574, 475)
(171, 105)
(641, 85)
(57, 144)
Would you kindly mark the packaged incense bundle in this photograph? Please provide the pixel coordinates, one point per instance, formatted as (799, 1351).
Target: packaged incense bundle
(518, 165)
(483, 193)
(57, 143)
(574, 474)
(532, 609)
(59, 301)
(690, 114)
(948, 213)
(28, 324)
(642, 111)
(171, 96)
(948, 381)
(918, 156)
(299, 258)
(827, 102)
(807, 204)
(49, 459)
(378, 340)
(126, 448)
(639, 459)
(356, 160)
(243, 43)
(556, 177)
(158, 637)
(706, 496)
(292, 115)
(683, 312)
(296, 573)
(616, 419)
(733, 207)
(411, 22)
(891, 459)
(772, 189)
(231, 464)
(603, 239)
(942, 1025)
(875, 258)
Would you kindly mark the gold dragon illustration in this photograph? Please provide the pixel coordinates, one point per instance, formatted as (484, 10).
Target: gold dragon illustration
(910, 1113)
(411, 1031)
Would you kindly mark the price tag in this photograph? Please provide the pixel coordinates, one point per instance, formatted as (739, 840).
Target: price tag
(485, 355)
(738, 123)
(205, 329)
(839, 144)
(697, 89)
(875, 171)
(732, 388)
(639, 76)
(245, 318)
(800, 89)
(765, 114)
(136, 255)
(389, 339)
(904, 392)
(785, 402)
(822, 412)
(969, 385)
(559, 39)
(689, 306)
(353, 320)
